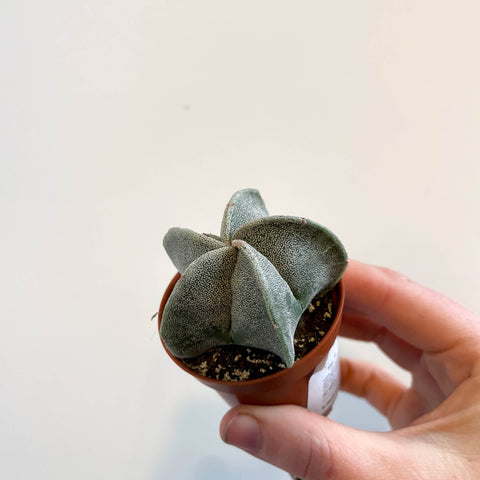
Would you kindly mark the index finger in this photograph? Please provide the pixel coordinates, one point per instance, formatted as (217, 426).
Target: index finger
(416, 314)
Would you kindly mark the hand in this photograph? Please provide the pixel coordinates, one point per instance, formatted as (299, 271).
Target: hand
(435, 421)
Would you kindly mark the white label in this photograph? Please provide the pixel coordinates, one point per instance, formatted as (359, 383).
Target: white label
(325, 382)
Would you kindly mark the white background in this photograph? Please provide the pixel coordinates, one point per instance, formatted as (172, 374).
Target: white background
(119, 119)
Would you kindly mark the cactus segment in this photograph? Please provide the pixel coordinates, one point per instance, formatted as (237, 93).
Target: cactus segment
(307, 255)
(244, 206)
(184, 246)
(197, 314)
(264, 311)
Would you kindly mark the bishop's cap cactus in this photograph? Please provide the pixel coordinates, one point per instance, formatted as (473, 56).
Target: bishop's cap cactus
(250, 285)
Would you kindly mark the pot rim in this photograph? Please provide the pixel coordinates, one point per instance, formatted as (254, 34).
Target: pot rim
(302, 366)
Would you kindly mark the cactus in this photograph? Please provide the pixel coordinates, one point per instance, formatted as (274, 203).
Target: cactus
(250, 285)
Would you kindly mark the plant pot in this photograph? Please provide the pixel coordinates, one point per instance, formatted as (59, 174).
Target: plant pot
(312, 381)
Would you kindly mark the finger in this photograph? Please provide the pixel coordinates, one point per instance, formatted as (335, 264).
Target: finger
(310, 446)
(373, 383)
(358, 327)
(401, 405)
(293, 439)
(417, 315)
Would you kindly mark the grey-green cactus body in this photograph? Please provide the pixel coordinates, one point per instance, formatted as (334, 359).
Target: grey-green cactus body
(251, 285)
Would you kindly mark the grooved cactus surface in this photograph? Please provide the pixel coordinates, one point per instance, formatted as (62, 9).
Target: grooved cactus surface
(251, 285)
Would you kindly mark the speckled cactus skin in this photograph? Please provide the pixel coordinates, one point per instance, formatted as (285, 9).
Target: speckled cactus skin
(250, 285)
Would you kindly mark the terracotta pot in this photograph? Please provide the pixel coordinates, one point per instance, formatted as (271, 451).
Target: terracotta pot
(289, 386)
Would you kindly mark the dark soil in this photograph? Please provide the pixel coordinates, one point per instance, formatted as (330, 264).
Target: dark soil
(237, 363)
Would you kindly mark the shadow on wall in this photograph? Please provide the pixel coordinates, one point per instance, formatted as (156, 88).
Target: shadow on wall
(358, 413)
(196, 451)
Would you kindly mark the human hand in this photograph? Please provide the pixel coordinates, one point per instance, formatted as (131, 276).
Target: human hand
(435, 421)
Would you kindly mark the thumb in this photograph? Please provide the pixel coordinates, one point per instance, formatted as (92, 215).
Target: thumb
(313, 447)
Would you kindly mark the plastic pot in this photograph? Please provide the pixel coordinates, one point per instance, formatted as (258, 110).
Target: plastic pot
(312, 381)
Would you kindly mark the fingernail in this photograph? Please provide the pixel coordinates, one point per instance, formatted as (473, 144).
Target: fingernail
(243, 431)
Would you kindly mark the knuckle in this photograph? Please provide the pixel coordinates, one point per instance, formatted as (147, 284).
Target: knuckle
(318, 461)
